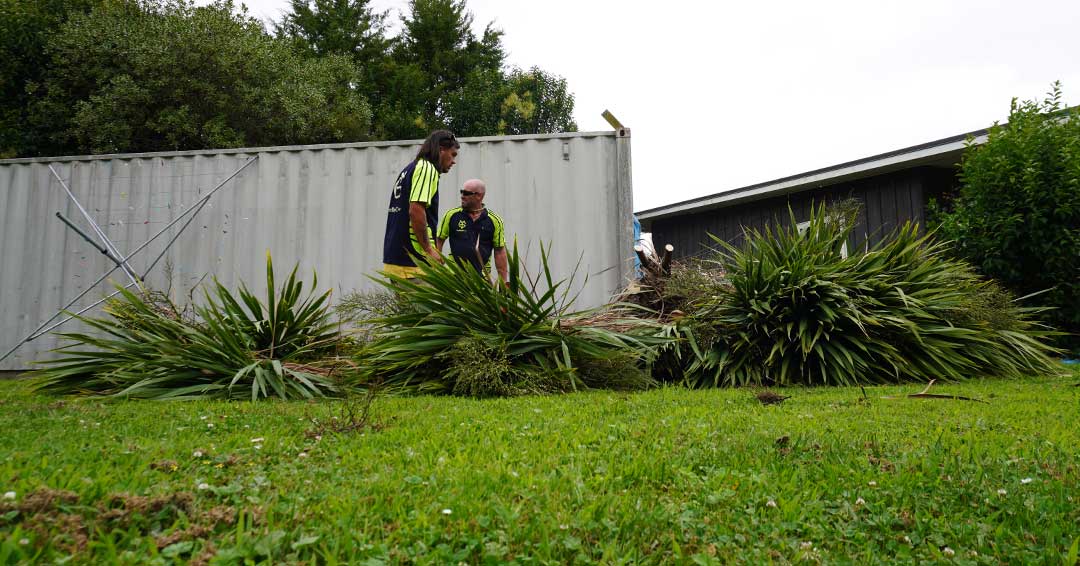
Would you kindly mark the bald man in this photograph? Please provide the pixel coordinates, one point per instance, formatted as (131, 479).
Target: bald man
(474, 232)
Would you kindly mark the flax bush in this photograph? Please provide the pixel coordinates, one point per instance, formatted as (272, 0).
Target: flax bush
(795, 311)
(236, 347)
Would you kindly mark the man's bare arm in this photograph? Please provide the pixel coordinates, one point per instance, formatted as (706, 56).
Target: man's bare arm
(500, 263)
(418, 221)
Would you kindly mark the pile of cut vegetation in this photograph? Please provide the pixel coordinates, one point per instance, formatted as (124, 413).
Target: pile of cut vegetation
(451, 330)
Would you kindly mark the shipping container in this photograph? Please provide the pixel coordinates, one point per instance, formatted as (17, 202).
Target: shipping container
(320, 207)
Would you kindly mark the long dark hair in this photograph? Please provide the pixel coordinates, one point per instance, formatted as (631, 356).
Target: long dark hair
(437, 141)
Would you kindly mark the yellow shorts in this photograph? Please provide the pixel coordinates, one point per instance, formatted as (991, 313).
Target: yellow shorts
(403, 271)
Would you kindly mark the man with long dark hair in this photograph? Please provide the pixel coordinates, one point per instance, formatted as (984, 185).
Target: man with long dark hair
(414, 207)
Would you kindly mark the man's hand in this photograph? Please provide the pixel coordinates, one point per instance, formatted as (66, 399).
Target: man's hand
(434, 255)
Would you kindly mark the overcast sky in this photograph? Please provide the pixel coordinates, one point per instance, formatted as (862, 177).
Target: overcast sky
(720, 95)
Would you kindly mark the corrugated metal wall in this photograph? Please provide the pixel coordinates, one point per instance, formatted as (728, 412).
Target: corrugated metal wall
(887, 202)
(322, 206)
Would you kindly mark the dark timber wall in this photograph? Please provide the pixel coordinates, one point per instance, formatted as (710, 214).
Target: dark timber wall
(887, 201)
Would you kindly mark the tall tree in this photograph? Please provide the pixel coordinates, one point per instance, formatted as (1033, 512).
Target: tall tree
(155, 75)
(342, 27)
(438, 42)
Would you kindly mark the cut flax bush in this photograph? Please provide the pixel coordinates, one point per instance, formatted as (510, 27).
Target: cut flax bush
(794, 311)
(457, 333)
(236, 348)
(356, 310)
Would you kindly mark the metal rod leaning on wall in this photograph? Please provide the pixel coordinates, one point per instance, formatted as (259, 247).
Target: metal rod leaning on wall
(33, 334)
(200, 206)
(84, 235)
(97, 229)
(41, 333)
(90, 240)
(194, 209)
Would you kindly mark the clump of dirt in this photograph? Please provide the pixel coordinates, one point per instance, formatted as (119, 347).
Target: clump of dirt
(120, 509)
(142, 504)
(168, 466)
(771, 398)
(192, 532)
(44, 500)
(68, 532)
(209, 551)
(55, 518)
(220, 514)
(40, 513)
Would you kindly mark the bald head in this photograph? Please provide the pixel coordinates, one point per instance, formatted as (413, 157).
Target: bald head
(475, 185)
(472, 195)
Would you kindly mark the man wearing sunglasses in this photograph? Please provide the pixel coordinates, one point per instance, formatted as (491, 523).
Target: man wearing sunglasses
(474, 232)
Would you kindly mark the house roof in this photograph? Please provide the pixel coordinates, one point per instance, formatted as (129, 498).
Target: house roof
(942, 153)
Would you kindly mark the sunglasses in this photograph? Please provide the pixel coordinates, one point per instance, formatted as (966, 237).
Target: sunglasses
(469, 193)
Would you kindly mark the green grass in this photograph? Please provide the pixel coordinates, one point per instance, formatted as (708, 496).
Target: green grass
(666, 476)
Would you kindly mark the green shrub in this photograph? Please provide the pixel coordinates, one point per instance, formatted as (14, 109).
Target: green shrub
(479, 369)
(460, 334)
(797, 311)
(1017, 214)
(231, 347)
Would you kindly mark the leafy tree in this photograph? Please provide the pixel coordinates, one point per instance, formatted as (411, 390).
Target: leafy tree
(521, 102)
(153, 75)
(437, 56)
(25, 28)
(342, 27)
(90, 76)
(1017, 214)
(438, 36)
(473, 109)
(466, 87)
(538, 102)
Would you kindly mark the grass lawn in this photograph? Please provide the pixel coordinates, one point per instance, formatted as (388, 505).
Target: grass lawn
(666, 476)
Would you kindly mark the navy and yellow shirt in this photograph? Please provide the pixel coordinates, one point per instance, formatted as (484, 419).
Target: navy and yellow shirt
(417, 182)
(472, 240)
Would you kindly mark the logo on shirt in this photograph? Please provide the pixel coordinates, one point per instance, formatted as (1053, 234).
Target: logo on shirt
(461, 225)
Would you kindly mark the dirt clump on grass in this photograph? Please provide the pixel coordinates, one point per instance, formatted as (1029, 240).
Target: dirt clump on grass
(41, 515)
(221, 514)
(142, 504)
(770, 397)
(167, 466)
(41, 500)
(67, 531)
(209, 551)
(192, 532)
